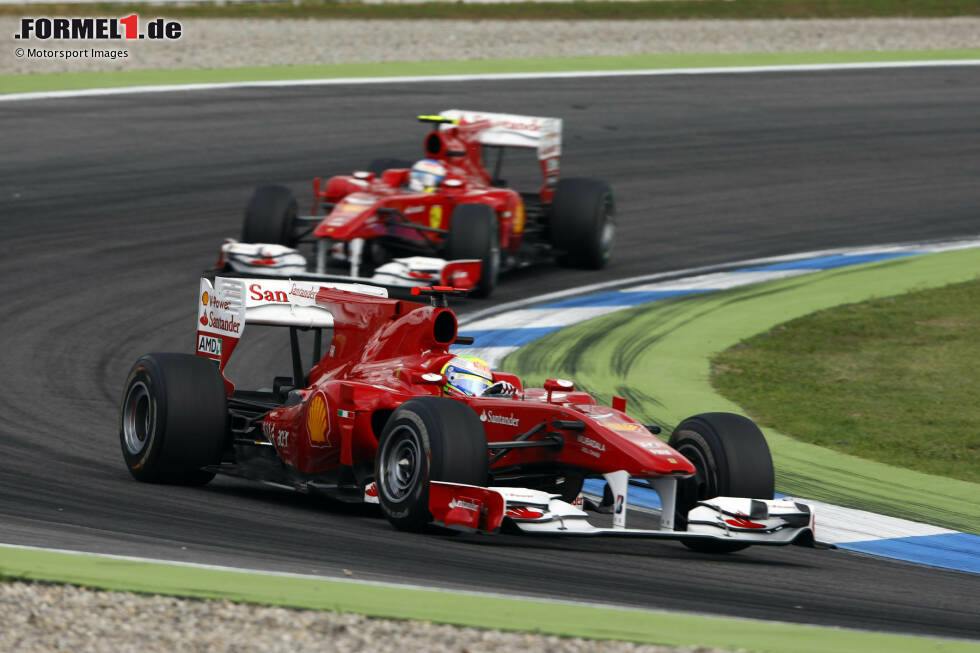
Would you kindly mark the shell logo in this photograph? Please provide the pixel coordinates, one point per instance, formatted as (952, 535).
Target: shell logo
(435, 216)
(316, 421)
(205, 298)
(519, 218)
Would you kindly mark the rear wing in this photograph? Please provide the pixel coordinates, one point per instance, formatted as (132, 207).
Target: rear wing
(227, 305)
(510, 130)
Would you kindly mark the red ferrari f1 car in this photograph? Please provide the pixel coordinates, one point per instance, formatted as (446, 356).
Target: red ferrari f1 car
(447, 219)
(387, 414)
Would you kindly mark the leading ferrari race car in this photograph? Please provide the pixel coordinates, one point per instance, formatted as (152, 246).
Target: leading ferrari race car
(447, 219)
(387, 414)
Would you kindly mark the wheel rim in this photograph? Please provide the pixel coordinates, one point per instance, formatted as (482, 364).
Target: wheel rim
(401, 464)
(137, 422)
(703, 485)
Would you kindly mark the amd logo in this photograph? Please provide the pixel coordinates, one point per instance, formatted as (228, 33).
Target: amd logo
(209, 345)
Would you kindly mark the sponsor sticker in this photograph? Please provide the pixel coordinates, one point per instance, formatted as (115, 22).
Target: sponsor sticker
(519, 218)
(317, 423)
(209, 345)
(226, 324)
(464, 504)
(589, 442)
(359, 199)
(435, 216)
(510, 420)
(623, 426)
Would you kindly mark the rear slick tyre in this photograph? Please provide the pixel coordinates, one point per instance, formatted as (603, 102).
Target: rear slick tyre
(583, 224)
(173, 419)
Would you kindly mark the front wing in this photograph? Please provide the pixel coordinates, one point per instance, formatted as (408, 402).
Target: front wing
(270, 260)
(723, 519)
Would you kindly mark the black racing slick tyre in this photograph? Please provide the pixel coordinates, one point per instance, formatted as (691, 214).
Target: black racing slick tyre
(583, 224)
(173, 419)
(427, 439)
(270, 216)
(378, 166)
(474, 234)
(731, 458)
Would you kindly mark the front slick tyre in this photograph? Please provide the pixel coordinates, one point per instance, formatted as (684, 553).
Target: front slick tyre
(426, 439)
(173, 419)
(270, 216)
(731, 459)
(474, 234)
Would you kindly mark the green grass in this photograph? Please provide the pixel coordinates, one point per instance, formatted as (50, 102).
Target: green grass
(657, 356)
(895, 380)
(644, 9)
(29, 83)
(567, 620)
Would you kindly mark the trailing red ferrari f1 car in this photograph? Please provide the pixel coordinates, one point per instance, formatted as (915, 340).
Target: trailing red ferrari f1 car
(447, 219)
(386, 413)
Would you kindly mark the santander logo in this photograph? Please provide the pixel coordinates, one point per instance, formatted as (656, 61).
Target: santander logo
(488, 416)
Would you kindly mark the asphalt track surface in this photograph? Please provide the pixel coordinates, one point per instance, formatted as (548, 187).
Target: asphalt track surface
(110, 208)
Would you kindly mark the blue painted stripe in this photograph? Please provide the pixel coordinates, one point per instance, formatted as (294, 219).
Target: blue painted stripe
(637, 496)
(619, 298)
(507, 337)
(960, 551)
(830, 262)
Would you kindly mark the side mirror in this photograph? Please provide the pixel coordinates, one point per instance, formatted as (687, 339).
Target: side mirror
(558, 385)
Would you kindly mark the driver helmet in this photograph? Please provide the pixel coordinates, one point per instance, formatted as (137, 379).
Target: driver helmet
(426, 175)
(467, 376)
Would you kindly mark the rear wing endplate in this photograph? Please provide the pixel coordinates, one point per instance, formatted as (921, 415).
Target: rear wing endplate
(227, 305)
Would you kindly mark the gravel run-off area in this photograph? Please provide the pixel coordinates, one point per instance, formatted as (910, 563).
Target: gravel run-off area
(220, 43)
(37, 617)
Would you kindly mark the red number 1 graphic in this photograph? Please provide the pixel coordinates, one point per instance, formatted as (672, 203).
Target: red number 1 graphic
(131, 23)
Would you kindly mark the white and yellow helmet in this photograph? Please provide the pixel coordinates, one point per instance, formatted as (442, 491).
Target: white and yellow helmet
(426, 175)
(467, 376)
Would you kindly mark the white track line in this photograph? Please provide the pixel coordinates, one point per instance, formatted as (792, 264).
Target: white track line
(339, 81)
